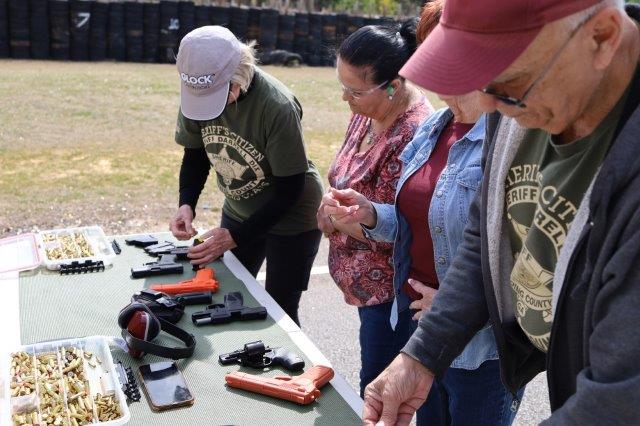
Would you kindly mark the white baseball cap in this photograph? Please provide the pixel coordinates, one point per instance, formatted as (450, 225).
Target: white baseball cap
(207, 59)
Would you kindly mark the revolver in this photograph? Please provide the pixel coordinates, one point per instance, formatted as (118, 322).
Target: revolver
(257, 355)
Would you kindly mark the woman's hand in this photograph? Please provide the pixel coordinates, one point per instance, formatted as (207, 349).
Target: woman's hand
(424, 304)
(348, 207)
(180, 225)
(325, 224)
(217, 241)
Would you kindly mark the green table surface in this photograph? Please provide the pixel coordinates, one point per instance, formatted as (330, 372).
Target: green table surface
(54, 307)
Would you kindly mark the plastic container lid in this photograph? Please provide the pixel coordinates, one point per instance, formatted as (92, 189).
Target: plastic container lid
(19, 253)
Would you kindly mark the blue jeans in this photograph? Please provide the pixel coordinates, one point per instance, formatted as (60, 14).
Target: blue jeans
(460, 397)
(379, 343)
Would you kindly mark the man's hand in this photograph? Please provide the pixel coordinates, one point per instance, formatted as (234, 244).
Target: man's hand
(217, 241)
(349, 206)
(424, 304)
(395, 395)
(180, 225)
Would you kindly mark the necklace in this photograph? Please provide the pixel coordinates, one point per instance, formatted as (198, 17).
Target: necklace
(370, 136)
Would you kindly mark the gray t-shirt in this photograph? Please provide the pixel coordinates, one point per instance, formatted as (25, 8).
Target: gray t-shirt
(544, 188)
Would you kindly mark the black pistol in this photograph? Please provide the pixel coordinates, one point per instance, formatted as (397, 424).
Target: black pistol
(257, 355)
(160, 249)
(170, 308)
(165, 266)
(141, 241)
(232, 309)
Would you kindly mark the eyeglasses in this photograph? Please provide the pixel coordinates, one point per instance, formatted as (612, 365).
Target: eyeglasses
(519, 102)
(357, 94)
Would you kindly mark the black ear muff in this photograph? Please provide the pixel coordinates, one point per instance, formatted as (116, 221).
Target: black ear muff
(140, 326)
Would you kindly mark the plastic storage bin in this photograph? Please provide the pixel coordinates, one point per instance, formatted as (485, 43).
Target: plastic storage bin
(53, 377)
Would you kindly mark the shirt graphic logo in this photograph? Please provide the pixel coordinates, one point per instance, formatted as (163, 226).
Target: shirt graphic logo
(238, 164)
(227, 167)
(539, 217)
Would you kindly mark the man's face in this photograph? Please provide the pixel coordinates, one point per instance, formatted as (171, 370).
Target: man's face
(555, 75)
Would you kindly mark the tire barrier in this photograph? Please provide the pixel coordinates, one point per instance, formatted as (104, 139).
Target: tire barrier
(19, 42)
(151, 30)
(151, 25)
(253, 24)
(202, 16)
(134, 30)
(4, 29)
(59, 29)
(238, 22)
(39, 29)
(99, 35)
(328, 39)
(169, 29)
(187, 17)
(301, 34)
(117, 49)
(79, 29)
(354, 23)
(314, 41)
(342, 28)
(268, 30)
(221, 15)
(286, 31)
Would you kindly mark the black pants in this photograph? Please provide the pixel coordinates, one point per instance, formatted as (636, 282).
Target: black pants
(289, 262)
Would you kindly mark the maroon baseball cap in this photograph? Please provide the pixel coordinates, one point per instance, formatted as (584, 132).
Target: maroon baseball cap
(478, 39)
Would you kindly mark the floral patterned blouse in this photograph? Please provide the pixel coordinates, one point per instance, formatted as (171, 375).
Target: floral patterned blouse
(363, 270)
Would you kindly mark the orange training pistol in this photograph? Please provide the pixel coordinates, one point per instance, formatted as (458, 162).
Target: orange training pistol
(203, 281)
(302, 389)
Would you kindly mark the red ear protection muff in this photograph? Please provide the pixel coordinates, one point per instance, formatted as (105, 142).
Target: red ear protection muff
(140, 326)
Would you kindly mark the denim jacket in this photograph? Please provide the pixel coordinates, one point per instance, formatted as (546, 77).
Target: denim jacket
(448, 211)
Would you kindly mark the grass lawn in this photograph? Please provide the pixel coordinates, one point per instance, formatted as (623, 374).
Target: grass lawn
(92, 143)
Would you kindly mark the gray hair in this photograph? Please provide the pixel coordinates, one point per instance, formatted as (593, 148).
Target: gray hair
(572, 21)
(244, 73)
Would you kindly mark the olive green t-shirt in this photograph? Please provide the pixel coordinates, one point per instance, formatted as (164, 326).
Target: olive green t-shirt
(255, 139)
(544, 187)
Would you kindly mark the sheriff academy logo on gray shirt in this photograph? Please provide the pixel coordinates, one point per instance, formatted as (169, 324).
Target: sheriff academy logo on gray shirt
(237, 162)
(532, 274)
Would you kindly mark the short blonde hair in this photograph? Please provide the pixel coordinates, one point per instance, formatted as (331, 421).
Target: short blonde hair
(245, 71)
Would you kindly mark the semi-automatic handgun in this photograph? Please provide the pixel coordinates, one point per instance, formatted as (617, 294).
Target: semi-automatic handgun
(165, 266)
(232, 309)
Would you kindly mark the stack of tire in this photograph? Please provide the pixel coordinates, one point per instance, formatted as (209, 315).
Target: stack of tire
(5, 52)
(79, 29)
(99, 31)
(134, 31)
(39, 29)
(328, 39)
(286, 31)
(301, 34)
(253, 24)
(220, 15)
(202, 16)
(314, 40)
(238, 21)
(19, 41)
(151, 24)
(268, 30)
(169, 31)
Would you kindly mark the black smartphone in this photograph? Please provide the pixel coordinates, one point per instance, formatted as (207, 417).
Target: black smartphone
(165, 386)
